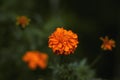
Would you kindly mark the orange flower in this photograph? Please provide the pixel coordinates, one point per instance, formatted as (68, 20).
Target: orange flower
(35, 59)
(63, 42)
(23, 21)
(107, 43)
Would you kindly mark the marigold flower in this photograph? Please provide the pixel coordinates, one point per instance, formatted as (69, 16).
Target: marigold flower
(35, 59)
(107, 43)
(23, 21)
(63, 42)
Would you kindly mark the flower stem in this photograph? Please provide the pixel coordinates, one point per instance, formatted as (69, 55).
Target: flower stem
(96, 60)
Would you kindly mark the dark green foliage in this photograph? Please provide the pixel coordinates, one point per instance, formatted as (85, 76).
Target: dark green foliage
(73, 71)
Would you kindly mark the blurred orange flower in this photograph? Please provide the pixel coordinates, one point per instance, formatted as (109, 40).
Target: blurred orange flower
(23, 21)
(35, 59)
(63, 42)
(107, 43)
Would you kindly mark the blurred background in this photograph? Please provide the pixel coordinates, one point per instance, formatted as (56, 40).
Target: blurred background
(90, 19)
